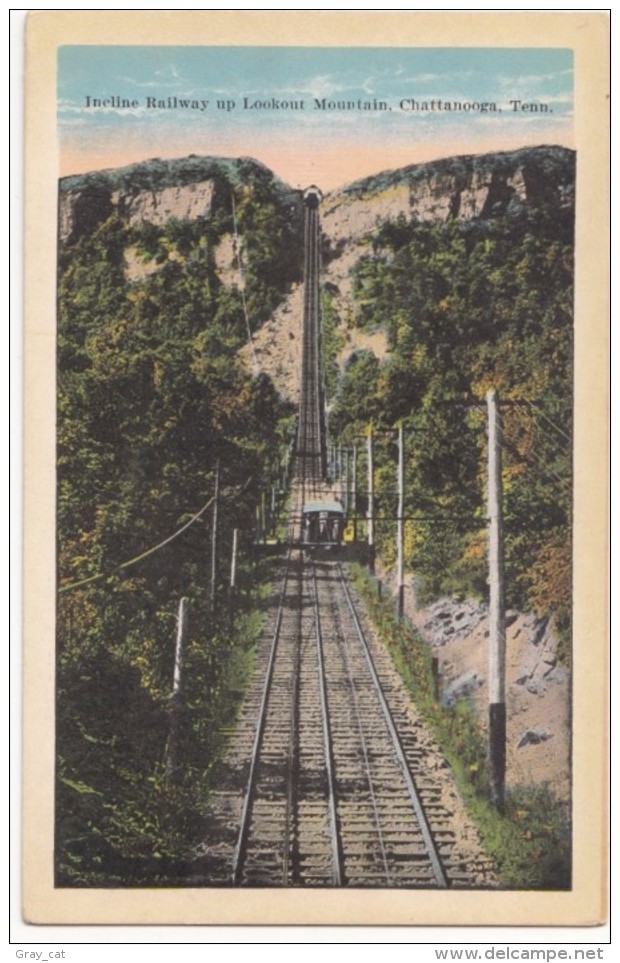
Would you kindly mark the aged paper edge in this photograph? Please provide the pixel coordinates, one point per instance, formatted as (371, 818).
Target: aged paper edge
(587, 33)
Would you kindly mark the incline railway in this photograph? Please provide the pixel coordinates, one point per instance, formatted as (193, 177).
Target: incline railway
(330, 778)
(311, 447)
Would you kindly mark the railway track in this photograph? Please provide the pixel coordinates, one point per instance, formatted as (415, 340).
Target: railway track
(310, 467)
(331, 779)
(330, 799)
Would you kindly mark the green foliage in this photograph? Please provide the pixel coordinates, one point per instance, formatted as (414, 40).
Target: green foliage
(158, 174)
(470, 305)
(120, 820)
(530, 842)
(152, 396)
(357, 401)
(332, 340)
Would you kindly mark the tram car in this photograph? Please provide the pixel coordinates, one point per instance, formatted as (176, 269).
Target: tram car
(322, 523)
(312, 196)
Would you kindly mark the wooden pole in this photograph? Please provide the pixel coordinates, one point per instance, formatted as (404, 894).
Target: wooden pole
(346, 481)
(216, 499)
(172, 746)
(233, 575)
(370, 528)
(435, 672)
(400, 527)
(497, 608)
(354, 493)
(233, 560)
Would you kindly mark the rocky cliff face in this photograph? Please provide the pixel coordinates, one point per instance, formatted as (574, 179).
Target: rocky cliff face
(475, 186)
(155, 191)
(472, 186)
(481, 186)
(464, 187)
(81, 210)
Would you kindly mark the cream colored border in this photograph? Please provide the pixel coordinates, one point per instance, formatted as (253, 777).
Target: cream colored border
(587, 33)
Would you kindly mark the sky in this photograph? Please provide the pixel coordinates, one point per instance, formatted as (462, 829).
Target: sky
(121, 104)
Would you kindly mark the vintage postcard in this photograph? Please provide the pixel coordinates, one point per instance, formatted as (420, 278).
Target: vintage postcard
(316, 419)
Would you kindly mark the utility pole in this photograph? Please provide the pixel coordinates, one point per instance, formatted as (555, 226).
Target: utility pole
(346, 481)
(400, 528)
(216, 498)
(354, 493)
(172, 746)
(233, 561)
(497, 608)
(233, 574)
(273, 511)
(370, 526)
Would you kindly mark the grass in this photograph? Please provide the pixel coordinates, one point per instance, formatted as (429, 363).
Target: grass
(124, 822)
(530, 842)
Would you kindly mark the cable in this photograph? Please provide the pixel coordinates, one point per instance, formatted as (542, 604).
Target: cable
(557, 446)
(533, 460)
(255, 363)
(149, 551)
(537, 408)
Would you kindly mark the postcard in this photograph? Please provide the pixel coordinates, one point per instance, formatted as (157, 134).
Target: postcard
(316, 417)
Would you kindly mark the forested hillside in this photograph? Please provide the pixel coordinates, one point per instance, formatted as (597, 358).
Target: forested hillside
(466, 304)
(461, 270)
(151, 396)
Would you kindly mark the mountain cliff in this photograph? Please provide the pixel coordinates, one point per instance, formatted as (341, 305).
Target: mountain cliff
(440, 281)
(474, 185)
(466, 188)
(156, 191)
(485, 187)
(493, 188)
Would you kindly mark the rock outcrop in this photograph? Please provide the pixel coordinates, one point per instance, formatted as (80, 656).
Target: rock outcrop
(484, 185)
(473, 186)
(155, 191)
(537, 686)
(81, 211)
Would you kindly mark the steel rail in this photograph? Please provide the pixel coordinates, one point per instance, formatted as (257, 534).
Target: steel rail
(366, 759)
(288, 854)
(435, 859)
(334, 834)
(244, 825)
(309, 440)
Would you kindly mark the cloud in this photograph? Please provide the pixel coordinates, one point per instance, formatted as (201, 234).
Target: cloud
(534, 79)
(423, 78)
(67, 110)
(325, 86)
(143, 83)
(167, 77)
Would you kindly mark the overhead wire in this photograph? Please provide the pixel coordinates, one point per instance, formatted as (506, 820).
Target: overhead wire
(532, 457)
(255, 364)
(538, 409)
(149, 551)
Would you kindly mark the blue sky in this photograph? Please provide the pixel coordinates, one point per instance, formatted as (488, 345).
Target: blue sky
(304, 144)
